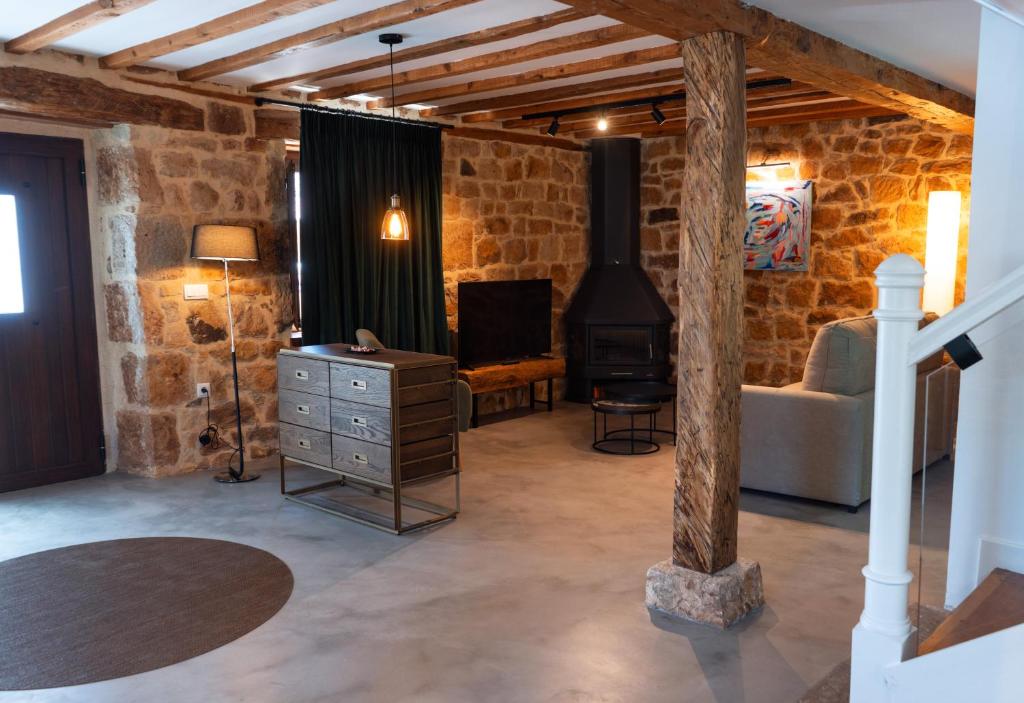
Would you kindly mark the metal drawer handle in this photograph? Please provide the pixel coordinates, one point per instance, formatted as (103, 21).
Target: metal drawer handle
(359, 385)
(360, 458)
(305, 444)
(302, 409)
(359, 421)
(302, 375)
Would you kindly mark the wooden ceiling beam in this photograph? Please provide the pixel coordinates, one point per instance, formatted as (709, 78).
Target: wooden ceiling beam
(284, 124)
(799, 118)
(677, 19)
(231, 23)
(813, 58)
(78, 20)
(546, 94)
(516, 121)
(530, 52)
(514, 137)
(192, 90)
(66, 98)
(441, 46)
(790, 115)
(538, 75)
(573, 103)
(670, 108)
(386, 16)
(754, 92)
(799, 53)
(277, 124)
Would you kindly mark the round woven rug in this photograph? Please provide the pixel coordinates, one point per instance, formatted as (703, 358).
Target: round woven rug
(103, 610)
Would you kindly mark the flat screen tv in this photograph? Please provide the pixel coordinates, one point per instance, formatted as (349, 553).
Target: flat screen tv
(502, 321)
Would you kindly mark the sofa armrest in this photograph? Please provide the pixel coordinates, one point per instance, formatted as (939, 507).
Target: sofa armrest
(807, 444)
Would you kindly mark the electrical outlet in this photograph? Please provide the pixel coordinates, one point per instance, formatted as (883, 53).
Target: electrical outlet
(203, 390)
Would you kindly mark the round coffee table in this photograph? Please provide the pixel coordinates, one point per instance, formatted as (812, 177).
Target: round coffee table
(637, 445)
(644, 392)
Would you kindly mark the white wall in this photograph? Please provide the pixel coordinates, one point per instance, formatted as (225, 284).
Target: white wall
(987, 527)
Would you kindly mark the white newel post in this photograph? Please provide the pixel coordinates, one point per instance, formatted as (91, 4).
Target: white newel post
(882, 636)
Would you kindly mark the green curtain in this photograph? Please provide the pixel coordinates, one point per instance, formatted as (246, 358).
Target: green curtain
(350, 277)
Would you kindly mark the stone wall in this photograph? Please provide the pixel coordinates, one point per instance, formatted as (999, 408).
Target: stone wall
(871, 183)
(513, 211)
(157, 184)
(147, 186)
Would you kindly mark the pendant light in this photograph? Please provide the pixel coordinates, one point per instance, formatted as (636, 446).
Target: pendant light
(396, 224)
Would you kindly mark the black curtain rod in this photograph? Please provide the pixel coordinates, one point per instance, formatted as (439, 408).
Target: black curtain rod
(652, 101)
(352, 113)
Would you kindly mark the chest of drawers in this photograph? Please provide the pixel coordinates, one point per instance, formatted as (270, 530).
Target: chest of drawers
(378, 423)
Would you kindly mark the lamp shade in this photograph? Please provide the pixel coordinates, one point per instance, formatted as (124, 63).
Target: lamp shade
(941, 250)
(225, 243)
(396, 225)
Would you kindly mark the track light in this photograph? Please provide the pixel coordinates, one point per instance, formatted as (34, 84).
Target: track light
(658, 115)
(553, 127)
(602, 124)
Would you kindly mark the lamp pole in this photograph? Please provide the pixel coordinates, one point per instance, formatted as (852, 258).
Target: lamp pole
(232, 475)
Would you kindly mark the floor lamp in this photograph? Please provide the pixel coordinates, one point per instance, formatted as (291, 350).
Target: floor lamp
(229, 243)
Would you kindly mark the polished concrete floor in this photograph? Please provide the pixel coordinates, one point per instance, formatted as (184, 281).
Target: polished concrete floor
(534, 594)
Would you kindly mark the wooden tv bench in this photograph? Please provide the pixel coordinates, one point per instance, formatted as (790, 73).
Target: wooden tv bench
(504, 377)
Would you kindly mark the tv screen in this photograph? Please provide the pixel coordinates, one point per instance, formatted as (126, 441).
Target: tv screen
(503, 320)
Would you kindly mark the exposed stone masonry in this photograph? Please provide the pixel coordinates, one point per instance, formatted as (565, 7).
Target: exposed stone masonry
(153, 186)
(871, 183)
(514, 212)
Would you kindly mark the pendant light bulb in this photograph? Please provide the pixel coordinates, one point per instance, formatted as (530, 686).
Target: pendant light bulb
(602, 123)
(395, 226)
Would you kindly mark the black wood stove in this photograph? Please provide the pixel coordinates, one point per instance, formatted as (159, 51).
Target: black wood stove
(617, 324)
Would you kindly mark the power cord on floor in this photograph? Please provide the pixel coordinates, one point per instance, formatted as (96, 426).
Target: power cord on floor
(210, 436)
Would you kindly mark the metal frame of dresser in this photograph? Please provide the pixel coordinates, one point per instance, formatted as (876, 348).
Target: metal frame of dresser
(370, 486)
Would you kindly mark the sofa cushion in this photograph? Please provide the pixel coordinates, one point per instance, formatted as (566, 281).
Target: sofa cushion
(842, 357)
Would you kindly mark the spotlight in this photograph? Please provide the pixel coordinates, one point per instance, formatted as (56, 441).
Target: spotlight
(658, 115)
(602, 124)
(553, 127)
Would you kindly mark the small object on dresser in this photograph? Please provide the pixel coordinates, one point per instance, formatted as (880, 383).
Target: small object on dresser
(356, 349)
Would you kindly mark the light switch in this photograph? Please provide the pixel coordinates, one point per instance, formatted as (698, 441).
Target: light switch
(197, 291)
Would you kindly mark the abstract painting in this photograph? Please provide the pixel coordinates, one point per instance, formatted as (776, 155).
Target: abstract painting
(778, 234)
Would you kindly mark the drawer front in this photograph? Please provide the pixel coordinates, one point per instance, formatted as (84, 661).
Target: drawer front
(296, 373)
(305, 444)
(361, 384)
(425, 374)
(361, 421)
(427, 430)
(425, 412)
(431, 393)
(362, 458)
(304, 409)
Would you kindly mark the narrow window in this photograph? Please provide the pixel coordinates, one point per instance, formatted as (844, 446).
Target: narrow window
(12, 297)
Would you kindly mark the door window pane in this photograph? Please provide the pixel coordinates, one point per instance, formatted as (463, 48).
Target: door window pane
(12, 299)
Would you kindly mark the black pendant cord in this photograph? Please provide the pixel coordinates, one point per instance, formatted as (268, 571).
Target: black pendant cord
(394, 152)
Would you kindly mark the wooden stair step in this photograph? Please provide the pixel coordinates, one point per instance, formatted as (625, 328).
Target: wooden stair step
(996, 604)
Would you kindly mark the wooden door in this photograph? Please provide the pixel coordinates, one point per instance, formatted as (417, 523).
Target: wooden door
(51, 426)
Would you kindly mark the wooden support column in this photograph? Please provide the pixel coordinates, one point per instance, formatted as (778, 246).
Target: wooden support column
(704, 581)
(711, 304)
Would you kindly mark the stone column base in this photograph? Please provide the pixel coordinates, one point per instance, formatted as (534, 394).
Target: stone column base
(718, 599)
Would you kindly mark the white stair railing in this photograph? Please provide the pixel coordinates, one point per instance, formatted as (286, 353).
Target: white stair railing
(882, 638)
